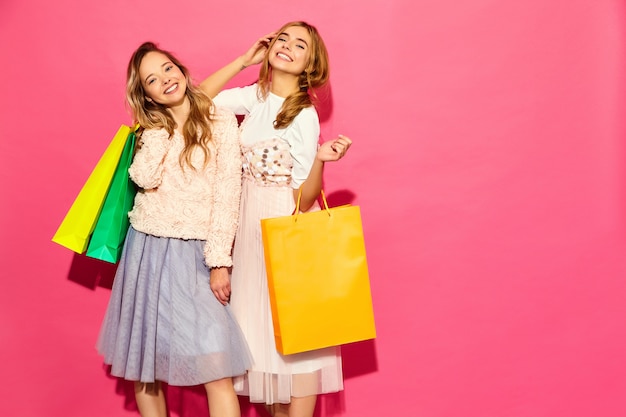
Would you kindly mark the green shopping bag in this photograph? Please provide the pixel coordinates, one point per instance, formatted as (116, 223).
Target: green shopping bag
(80, 220)
(112, 225)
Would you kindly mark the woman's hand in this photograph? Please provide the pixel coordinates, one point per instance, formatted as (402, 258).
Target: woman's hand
(220, 284)
(257, 51)
(334, 150)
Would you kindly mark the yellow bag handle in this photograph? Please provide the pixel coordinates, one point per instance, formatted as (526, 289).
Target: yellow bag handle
(297, 210)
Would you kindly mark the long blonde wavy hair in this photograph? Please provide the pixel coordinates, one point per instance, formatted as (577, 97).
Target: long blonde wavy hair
(150, 115)
(315, 76)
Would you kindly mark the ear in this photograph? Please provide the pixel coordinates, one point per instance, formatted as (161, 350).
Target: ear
(148, 99)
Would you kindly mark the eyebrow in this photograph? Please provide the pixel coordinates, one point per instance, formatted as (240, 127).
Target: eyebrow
(299, 39)
(151, 74)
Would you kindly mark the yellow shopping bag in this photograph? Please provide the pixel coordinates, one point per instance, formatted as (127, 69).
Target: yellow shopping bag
(109, 232)
(79, 222)
(318, 279)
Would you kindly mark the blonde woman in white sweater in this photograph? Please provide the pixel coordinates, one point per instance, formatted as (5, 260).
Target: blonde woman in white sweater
(168, 319)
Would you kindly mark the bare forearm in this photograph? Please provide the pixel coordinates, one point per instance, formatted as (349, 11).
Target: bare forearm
(312, 186)
(215, 82)
(332, 150)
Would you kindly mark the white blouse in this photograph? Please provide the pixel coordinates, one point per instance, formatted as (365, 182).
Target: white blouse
(302, 134)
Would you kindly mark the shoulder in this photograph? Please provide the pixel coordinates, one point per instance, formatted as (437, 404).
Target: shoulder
(248, 91)
(309, 113)
(154, 134)
(224, 123)
(222, 114)
(307, 117)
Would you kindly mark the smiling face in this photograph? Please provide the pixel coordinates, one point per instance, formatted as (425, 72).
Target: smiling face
(291, 50)
(162, 81)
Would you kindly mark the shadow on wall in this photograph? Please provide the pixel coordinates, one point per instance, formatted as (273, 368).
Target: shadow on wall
(192, 401)
(325, 103)
(340, 198)
(91, 273)
(358, 358)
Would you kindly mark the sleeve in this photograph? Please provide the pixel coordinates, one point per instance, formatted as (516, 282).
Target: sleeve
(239, 100)
(225, 212)
(146, 169)
(304, 138)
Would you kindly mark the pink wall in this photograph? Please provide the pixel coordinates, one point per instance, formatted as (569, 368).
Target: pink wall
(489, 162)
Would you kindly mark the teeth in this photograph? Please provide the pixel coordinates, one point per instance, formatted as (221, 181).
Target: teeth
(283, 56)
(172, 88)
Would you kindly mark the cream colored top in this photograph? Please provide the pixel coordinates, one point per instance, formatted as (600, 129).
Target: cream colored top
(179, 202)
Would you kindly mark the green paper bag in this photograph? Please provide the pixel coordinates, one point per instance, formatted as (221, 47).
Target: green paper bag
(80, 220)
(110, 231)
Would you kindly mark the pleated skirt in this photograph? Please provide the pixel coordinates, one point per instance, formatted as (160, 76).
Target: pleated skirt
(163, 323)
(273, 378)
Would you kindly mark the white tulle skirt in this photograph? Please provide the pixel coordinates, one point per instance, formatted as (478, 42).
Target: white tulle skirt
(273, 378)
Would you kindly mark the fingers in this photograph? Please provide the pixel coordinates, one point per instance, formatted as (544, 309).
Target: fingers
(255, 54)
(265, 40)
(344, 138)
(220, 284)
(334, 150)
(271, 35)
(341, 145)
(222, 295)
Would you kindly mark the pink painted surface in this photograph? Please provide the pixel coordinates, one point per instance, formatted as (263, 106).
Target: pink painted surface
(489, 163)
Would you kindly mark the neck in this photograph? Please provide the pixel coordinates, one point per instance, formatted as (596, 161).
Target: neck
(180, 112)
(283, 84)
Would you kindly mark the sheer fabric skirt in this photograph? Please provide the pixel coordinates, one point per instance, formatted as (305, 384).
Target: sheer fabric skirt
(163, 322)
(273, 378)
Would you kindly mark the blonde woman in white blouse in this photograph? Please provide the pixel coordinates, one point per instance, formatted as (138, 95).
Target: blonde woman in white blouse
(279, 139)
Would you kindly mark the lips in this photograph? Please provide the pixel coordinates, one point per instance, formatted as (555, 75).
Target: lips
(284, 57)
(173, 88)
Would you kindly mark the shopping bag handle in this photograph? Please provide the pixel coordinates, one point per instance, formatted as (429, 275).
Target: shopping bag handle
(325, 207)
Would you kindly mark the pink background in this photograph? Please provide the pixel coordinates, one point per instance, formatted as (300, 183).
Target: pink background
(489, 163)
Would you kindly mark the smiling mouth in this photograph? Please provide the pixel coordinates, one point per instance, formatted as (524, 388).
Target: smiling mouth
(283, 56)
(171, 89)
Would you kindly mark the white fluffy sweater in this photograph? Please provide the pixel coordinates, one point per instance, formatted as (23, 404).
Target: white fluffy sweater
(180, 202)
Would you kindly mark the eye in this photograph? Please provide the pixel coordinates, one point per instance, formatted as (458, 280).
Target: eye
(169, 67)
(151, 81)
(282, 39)
(300, 46)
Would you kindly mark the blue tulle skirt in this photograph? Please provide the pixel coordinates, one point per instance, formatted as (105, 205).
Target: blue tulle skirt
(163, 323)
